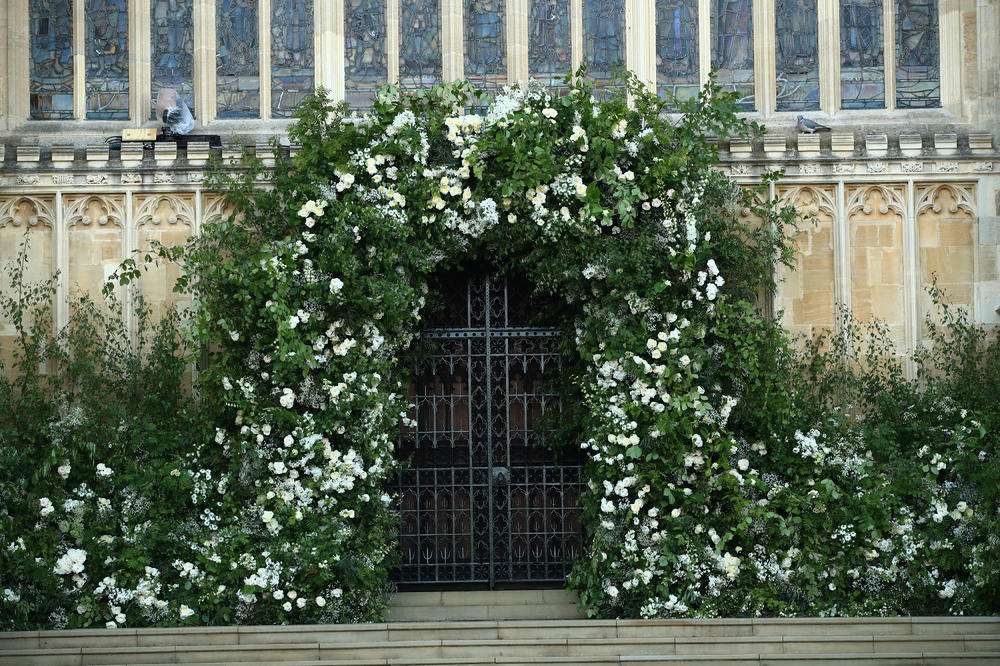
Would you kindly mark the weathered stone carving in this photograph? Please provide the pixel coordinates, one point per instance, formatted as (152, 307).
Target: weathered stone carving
(26, 211)
(95, 209)
(164, 210)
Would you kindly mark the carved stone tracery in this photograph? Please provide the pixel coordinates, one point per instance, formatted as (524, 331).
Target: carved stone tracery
(891, 200)
(95, 209)
(963, 198)
(164, 210)
(26, 211)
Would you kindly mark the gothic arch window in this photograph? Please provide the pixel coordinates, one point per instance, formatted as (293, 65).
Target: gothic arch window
(482, 501)
(733, 48)
(796, 55)
(365, 59)
(292, 66)
(51, 80)
(486, 43)
(918, 78)
(677, 52)
(107, 56)
(862, 57)
(419, 44)
(603, 38)
(263, 56)
(549, 53)
(237, 72)
(172, 40)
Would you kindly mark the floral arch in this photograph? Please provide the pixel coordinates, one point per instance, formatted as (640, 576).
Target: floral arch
(611, 208)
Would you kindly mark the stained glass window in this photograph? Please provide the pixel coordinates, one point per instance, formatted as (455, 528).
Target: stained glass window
(237, 72)
(419, 43)
(549, 57)
(486, 43)
(365, 61)
(918, 79)
(603, 38)
(107, 59)
(291, 55)
(677, 48)
(862, 58)
(796, 55)
(51, 86)
(172, 33)
(732, 47)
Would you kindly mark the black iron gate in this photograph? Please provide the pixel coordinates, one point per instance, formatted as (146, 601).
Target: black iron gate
(482, 502)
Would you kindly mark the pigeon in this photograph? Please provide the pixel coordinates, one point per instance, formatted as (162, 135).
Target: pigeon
(174, 111)
(809, 127)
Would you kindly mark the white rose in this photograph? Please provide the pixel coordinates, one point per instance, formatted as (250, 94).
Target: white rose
(267, 516)
(287, 606)
(320, 601)
(336, 284)
(185, 611)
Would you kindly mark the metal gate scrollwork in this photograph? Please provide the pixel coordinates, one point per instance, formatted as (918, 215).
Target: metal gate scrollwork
(483, 503)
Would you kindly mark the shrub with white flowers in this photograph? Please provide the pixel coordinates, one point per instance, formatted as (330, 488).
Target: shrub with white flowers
(716, 481)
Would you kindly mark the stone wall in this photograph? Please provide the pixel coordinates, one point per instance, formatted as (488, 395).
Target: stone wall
(884, 215)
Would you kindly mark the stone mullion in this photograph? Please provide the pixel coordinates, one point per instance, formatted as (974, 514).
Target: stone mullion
(338, 50)
(324, 27)
(264, 57)
(129, 243)
(984, 206)
(392, 39)
(5, 78)
(452, 43)
(575, 34)
(889, 57)
(517, 40)
(60, 257)
(704, 40)
(18, 66)
(79, 61)
(950, 67)
(911, 279)
(140, 61)
(764, 66)
(842, 250)
(828, 12)
(640, 31)
(204, 60)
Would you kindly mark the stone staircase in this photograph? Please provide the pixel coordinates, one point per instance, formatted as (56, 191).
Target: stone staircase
(478, 628)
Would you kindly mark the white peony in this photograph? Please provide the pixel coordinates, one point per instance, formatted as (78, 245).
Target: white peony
(71, 562)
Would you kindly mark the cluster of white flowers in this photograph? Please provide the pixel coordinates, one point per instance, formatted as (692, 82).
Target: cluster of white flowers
(71, 562)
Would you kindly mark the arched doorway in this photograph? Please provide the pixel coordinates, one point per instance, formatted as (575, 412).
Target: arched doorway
(483, 504)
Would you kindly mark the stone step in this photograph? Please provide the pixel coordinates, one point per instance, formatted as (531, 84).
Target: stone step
(843, 659)
(873, 628)
(485, 598)
(438, 606)
(663, 648)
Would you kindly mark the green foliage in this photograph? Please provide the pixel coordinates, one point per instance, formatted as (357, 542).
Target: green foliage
(727, 473)
(91, 394)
